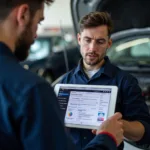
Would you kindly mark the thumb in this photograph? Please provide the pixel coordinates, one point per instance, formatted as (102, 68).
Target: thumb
(116, 116)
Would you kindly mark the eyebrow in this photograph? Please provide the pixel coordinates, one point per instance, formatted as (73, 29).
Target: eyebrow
(86, 37)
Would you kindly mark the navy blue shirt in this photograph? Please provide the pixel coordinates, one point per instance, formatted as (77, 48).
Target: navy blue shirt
(130, 101)
(29, 112)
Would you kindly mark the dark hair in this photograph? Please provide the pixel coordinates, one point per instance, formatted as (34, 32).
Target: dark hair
(95, 19)
(7, 5)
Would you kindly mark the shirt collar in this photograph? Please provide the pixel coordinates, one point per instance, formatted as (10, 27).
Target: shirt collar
(79, 68)
(107, 69)
(6, 51)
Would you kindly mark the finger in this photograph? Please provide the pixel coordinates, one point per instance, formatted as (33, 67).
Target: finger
(116, 116)
(120, 123)
(94, 131)
(122, 131)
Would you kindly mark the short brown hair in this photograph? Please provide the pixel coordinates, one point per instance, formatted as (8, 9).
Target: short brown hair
(7, 5)
(95, 19)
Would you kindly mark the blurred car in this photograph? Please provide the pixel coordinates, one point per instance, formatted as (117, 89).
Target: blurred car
(131, 39)
(131, 52)
(52, 55)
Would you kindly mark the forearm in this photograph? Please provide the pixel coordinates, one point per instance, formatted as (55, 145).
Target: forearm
(133, 130)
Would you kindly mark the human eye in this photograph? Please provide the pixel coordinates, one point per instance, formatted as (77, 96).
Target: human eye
(87, 40)
(40, 22)
(101, 42)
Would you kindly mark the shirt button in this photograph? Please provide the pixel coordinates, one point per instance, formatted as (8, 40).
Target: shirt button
(85, 138)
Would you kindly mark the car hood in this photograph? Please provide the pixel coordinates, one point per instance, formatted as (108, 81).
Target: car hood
(126, 14)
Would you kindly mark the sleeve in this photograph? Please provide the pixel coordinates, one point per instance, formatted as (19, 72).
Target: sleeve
(41, 127)
(101, 142)
(135, 107)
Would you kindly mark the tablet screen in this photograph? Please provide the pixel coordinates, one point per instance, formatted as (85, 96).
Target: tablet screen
(84, 106)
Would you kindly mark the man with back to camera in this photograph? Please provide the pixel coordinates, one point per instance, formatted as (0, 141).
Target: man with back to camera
(95, 68)
(29, 112)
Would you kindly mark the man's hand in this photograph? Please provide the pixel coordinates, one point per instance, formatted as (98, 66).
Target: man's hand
(133, 130)
(112, 125)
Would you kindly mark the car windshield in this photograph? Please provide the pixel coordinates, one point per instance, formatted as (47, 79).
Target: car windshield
(135, 51)
(40, 49)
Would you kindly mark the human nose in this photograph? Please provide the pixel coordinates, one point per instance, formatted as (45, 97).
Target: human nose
(92, 46)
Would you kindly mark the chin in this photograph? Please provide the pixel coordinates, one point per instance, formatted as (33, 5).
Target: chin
(92, 63)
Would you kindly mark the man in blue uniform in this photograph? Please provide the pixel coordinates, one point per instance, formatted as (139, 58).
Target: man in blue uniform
(29, 112)
(95, 68)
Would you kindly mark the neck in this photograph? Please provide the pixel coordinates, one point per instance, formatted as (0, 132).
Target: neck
(94, 67)
(7, 37)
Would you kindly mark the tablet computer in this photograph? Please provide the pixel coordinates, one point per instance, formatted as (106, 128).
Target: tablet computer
(86, 106)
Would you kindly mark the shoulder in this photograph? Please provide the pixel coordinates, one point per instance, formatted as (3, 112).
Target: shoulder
(68, 76)
(123, 75)
(20, 80)
(27, 77)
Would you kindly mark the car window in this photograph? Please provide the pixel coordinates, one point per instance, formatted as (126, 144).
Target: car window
(59, 43)
(40, 49)
(141, 50)
(137, 49)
